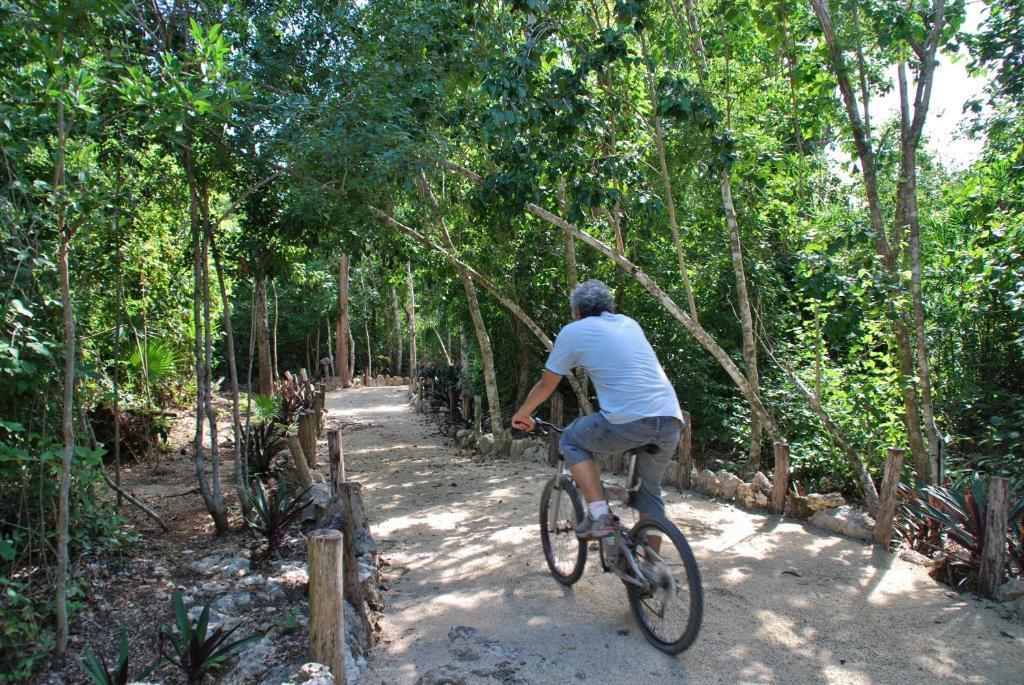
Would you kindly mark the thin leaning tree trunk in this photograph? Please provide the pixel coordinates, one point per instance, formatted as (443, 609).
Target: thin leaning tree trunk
(736, 252)
(410, 316)
(694, 328)
(666, 181)
(342, 340)
(64, 505)
(368, 374)
(396, 312)
(501, 437)
(266, 364)
(510, 305)
(330, 348)
(273, 336)
(216, 512)
(117, 378)
(909, 142)
(220, 513)
(241, 477)
(908, 217)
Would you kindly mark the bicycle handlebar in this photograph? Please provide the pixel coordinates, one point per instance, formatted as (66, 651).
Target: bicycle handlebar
(537, 421)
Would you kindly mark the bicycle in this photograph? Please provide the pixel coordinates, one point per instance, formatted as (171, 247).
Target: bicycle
(662, 581)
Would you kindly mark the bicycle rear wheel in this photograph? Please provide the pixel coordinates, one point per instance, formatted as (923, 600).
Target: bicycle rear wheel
(560, 511)
(669, 614)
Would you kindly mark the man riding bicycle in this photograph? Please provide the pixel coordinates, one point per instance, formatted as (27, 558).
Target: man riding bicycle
(638, 406)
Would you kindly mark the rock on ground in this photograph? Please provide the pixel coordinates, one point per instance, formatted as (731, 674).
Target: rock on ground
(846, 521)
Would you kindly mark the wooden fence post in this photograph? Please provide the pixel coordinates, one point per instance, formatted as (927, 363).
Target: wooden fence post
(326, 600)
(557, 411)
(321, 406)
(467, 403)
(686, 453)
(299, 461)
(781, 481)
(307, 436)
(453, 406)
(478, 417)
(993, 552)
(888, 496)
(336, 456)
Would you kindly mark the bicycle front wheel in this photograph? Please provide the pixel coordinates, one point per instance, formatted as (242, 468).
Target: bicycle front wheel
(560, 511)
(671, 610)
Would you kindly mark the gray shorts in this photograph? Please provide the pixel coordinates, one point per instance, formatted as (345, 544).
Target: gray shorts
(594, 434)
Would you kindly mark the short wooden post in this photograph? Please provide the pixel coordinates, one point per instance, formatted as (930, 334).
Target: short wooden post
(299, 461)
(686, 453)
(557, 411)
(453, 406)
(781, 481)
(321, 406)
(307, 436)
(478, 417)
(326, 600)
(467, 403)
(887, 498)
(336, 456)
(993, 551)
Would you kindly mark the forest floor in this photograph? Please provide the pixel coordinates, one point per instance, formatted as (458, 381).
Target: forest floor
(471, 598)
(132, 588)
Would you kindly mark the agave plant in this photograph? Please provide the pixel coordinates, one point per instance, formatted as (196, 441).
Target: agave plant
(96, 668)
(962, 515)
(273, 513)
(192, 648)
(265, 436)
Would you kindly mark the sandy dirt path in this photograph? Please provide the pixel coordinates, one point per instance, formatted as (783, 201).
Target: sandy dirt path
(784, 603)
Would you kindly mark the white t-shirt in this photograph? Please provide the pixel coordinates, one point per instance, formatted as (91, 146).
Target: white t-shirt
(629, 380)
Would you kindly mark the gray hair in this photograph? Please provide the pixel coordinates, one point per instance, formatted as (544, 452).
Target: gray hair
(590, 298)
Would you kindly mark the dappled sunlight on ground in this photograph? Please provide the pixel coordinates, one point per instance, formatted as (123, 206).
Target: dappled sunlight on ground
(469, 586)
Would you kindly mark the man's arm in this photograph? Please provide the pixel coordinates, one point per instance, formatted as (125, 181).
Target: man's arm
(542, 389)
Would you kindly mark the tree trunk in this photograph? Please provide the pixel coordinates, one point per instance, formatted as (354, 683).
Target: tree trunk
(64, 503)
(368, 371)
(396, 362)
(266, 364)
(501, 437)
(666, 181)
(524, 372)
(736, 245)
(511, 306)
(241, 467)
(330, 348)
(214, 505)
(273, 336)
(572, 280)
(219, 512)
(694, 328)
(410, 316)
(344, 334)
(351, 354)
(908, 217)
(117, 376)
(463, 354)
(906, 202)
(444, 348)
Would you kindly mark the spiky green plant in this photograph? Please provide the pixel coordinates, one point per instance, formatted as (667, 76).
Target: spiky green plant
(96, 668)
(265, 435)
(273, 513)
(192, 648)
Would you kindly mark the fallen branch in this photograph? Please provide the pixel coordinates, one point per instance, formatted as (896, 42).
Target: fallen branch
(131, 500)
